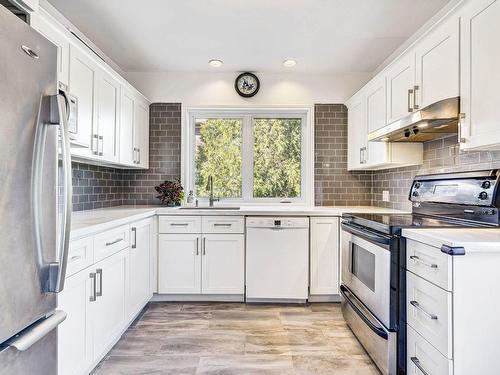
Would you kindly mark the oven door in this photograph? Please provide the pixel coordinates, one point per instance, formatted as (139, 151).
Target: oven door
(366, 268)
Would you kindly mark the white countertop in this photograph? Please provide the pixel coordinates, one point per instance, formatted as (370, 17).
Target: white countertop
(471, 239)
(93, 221)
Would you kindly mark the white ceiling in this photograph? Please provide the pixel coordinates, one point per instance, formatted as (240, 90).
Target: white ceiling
(324, 36)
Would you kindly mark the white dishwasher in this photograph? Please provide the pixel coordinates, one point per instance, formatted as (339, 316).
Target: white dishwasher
(277, 259)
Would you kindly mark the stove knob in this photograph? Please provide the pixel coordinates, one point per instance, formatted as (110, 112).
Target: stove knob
(483, 195)
(417, 185)
(486, 185)
(415, 193)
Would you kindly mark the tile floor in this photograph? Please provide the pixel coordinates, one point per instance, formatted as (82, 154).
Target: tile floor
(238, 339)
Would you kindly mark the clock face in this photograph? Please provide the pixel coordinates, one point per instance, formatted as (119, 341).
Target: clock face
(247, 84)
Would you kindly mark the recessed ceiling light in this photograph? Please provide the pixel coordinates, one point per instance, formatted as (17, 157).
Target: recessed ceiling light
(289, 63)
(215, 63)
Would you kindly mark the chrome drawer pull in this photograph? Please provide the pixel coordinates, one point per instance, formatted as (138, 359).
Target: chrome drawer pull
(98, 272)
(222, 225)
(418, 307)
(179, 224)
(416, 361)
(113, 242)
(418, 260)
(75, 257)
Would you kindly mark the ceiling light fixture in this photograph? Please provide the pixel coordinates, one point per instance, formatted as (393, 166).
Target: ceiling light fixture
(289, 63)
(215, 63)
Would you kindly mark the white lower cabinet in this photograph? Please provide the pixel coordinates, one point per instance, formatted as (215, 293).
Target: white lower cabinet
(104, 298)
(223, 264)
(108, 313)
(201, 255)
(179, 263)
(324, 250)
(74, 335)
(139, 266)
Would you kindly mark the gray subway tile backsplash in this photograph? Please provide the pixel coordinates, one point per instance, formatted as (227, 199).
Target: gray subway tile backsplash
(98, 187)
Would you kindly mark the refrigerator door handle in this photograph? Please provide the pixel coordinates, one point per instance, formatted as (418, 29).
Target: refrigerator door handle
(31, 335)
(57, 270)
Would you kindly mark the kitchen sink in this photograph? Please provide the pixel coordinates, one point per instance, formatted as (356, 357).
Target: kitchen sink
(209, 208)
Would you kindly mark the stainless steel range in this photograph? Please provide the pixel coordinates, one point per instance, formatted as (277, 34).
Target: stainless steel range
(373, 286)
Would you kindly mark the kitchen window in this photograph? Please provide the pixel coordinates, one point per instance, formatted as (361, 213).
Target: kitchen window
(254, 156)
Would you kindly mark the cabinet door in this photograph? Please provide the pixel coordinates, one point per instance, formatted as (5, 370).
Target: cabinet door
(108, 312)
(82, 80)
(223, 264)
(480, 75)
(324, 255)
(141, 133)
(400, 78)
(50, 29)
(356, 133)
(140, 254)
(107, 108)
(74, 334)
(127, 155)
(437, 64)
(376, 153)
(179, 264)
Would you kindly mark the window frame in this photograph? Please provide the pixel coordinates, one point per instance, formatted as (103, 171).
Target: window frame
(188, 145)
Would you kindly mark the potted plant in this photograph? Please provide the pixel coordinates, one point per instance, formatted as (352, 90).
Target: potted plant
(170, 193)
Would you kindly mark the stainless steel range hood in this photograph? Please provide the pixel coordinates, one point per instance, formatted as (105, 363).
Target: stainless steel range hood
(434, 121)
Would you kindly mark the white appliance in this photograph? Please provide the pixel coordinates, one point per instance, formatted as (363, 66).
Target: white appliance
(277, 259)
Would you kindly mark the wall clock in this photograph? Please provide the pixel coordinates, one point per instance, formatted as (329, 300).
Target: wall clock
(247, 85)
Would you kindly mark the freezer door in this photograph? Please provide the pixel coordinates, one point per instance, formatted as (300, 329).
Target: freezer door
(28, 77)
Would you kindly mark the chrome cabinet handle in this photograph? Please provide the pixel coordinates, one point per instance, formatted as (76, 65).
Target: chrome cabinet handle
(179, 224)
(101, 150)
(94, 287)
(418, 260)
(364, 155)
(134, 230)
(416, 361)
(204, 245)
(222, 224)
(99, 272)
(415, 91)
(410, 95)
(95, 150)
(361, 155)
(138, 156)
(113, 242)
(197, 246)
(76, 257)
(421, 309)
(461, 138)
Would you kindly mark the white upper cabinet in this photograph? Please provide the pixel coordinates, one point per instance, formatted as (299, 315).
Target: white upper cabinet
(112, 117)
(141, 133)
(127, 153)
(82, 85)
(376, 113)
(356, 132)
(480, 75)
(437, 64)
(400, 78)
(108, 98)
(54, 32)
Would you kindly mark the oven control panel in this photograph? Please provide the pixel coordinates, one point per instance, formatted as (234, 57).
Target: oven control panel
(466, 191)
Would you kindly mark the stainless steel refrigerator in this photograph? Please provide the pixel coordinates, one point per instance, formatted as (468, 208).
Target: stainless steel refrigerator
(35, 209)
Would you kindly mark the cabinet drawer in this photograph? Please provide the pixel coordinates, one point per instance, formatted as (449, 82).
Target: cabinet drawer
(179, 224)
(223, 224)
(80, 256)
(429, 263)
(429, 312)
(110, 242)
(423, 358)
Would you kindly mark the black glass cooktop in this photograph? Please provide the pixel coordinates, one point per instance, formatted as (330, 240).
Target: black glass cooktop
(393, 223)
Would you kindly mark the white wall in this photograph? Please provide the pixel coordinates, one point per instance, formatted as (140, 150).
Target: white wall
(205, 89)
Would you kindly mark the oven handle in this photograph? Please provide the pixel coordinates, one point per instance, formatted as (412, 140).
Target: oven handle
(355, 304)
(365, 234)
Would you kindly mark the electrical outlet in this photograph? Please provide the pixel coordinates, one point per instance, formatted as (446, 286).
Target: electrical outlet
(385, 195)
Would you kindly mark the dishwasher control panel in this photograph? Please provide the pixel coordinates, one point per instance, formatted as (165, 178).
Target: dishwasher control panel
(277, 222)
